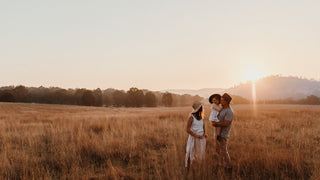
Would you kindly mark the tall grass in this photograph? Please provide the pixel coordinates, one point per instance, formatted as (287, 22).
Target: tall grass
(72, 142)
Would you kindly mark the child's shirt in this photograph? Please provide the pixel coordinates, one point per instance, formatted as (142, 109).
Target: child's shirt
(214, 112)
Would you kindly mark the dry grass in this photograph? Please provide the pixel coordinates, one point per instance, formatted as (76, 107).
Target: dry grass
(72, 142)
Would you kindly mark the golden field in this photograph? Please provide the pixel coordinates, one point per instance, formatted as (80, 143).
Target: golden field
(75, 142)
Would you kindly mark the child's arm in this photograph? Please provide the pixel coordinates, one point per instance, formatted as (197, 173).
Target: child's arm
(190, 120)
(216, 107)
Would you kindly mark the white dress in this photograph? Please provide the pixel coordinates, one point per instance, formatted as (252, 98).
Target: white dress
(214, 116)
(195, 147)
(214, 112)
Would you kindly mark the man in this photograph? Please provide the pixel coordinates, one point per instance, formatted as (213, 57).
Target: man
(225, 121)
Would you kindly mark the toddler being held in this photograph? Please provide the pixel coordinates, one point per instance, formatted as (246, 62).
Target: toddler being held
(216, 108)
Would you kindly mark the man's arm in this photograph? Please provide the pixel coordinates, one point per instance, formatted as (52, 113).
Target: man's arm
(224, 123)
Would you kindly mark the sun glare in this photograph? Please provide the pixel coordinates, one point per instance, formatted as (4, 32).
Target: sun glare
(252, 75)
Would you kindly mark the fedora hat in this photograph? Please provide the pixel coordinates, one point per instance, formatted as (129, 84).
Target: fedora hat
(227, 97)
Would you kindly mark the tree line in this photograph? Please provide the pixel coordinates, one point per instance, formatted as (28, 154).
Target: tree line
(134, 97)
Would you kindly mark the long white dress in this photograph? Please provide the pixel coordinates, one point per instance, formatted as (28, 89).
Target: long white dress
(195, 147)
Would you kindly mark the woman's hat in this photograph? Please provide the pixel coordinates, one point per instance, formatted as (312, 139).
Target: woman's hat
(196, 106)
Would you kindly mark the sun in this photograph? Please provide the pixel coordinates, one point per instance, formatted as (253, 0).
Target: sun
(252, 75)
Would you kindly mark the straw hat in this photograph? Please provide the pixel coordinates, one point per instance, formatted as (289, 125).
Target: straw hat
(196, 106)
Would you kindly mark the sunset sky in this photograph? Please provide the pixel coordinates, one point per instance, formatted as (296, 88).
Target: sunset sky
(156, 45)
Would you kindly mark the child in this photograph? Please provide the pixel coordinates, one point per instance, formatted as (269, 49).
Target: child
(196, 144)
(215, 101)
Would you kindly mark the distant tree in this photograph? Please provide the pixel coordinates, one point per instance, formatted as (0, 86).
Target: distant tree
(158, 97)
(197, 98)
(176, 100)
(60, 96)
(45, 95)
(239, 100)
(78, 96)
(22, 94)
(150, 99)
(119, 98)
(135, 97)
(63, 96)
(7, 96)
(88, 98)
(312, 99)
(71, 97)
(106, 101)
(167, 99)
(185, 100)
(107, 97)
(37, 95)
(98, 97)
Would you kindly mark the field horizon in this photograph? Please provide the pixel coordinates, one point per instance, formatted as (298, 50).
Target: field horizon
(41, 141)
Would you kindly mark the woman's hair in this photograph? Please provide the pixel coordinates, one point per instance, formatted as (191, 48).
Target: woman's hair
(199, 114)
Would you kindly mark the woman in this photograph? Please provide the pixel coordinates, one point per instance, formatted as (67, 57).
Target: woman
(196, 144)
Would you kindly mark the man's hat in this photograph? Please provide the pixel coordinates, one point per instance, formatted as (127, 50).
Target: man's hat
(227, 97)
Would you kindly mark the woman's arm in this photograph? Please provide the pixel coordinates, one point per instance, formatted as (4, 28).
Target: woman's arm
(190, 120)
(204, 130)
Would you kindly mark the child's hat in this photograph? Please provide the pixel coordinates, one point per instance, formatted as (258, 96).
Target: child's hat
(196, 106)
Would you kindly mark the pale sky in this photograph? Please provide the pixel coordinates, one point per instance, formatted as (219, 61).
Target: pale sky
(156, 45)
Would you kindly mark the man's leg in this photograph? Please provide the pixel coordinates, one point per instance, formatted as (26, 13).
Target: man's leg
(217, 145)
(224, 151)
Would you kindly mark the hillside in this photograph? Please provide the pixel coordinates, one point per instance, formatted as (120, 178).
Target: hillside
(205, 92)
(268, 88)
(277, 87)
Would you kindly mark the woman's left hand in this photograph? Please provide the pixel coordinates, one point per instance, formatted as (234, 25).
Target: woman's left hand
(205, 135)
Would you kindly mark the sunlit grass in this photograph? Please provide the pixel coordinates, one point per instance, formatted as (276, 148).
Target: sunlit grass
(73, 142)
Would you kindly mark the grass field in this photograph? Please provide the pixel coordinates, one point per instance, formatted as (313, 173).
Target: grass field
(75, 142)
